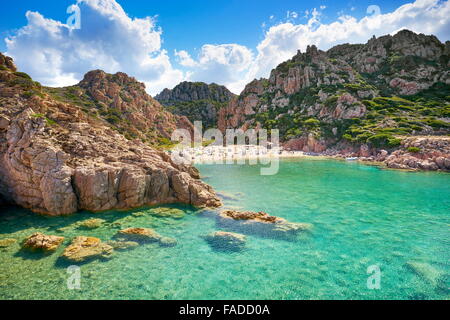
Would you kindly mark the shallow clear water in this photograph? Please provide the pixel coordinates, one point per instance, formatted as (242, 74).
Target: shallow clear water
(362, 216)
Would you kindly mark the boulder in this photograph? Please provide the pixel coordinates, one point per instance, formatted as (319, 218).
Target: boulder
(165, 212)
(145, 235)
(122, 245)
(140, 235)
(226, 241)
(87, 248)
(91, 223)
(260, 223)
(167, 242)
(40, 241)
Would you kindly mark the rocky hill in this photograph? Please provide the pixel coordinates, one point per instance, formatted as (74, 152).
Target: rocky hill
(355, 99)
(197, 101)
(123, 103)
(69, 149)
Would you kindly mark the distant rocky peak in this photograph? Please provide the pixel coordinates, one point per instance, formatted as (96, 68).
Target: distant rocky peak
(194, 91)
(7, 62)
(97, 78)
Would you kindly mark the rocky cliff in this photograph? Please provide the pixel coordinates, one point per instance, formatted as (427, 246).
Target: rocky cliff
(59, 153)
(123, 103)
(354, 98)
(197, 101)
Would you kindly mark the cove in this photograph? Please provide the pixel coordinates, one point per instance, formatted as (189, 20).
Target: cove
(361, 216)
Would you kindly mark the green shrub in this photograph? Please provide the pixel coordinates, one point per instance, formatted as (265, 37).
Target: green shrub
(22, 75)
(413, 149)
(384, 140)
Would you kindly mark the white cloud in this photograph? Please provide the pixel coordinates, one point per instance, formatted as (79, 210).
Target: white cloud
(282, 41)
(184, 58)
(226, 64)
(111, 40)
(108, 39)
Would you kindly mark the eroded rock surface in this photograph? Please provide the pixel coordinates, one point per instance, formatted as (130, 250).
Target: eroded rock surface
(40, 241)
(57, 158)
(87, 248)
(260, 222)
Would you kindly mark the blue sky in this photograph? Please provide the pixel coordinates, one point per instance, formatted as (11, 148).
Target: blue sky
(228, 42)
(190, 24)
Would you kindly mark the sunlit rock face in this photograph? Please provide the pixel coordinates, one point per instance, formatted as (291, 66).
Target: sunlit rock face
(59, 156)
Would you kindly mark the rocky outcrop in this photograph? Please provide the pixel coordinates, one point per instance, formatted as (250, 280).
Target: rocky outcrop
(422, 153)
(197, 101)
(359, 98)
(83, 249)
(56, 159)
(145, 235)
(7, 63)
(122, 245)
(193, 91)
(124, 103)
(91, 224)
(226, 241)
(40, 241)
(260, 223)
(139, 235)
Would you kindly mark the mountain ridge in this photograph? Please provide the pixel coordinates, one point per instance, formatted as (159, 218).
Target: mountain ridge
(59, 155)
(197, 101)
(353, 100)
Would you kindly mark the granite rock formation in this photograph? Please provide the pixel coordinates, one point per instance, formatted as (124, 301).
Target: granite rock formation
(352, 99)
(56, 157)
(197, 101)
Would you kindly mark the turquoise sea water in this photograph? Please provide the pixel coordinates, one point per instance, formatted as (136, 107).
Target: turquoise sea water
(361, 216)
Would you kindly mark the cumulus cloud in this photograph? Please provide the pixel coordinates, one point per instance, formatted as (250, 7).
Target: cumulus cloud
(283, 40)
(226, 64)
(109, 39)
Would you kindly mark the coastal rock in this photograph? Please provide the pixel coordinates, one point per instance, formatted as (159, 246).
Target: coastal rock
(40, 241)
(165, 212)
(91, 223)
(83, 249)
(145, 235)
(226, 241)
(122, 245)
(261, 223)
(353, 100)
(56, 158)
(167, 242)
(141, 235)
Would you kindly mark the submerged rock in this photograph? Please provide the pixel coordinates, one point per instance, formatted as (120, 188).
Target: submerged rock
(226, 241)
(429, 273)
(4, 243)
(167, 242)
(165, 212)
(122, 245)
(87, 248)
(139, 235)
(145, 235)
(91, 223)
(260, 223)
(40, 241)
